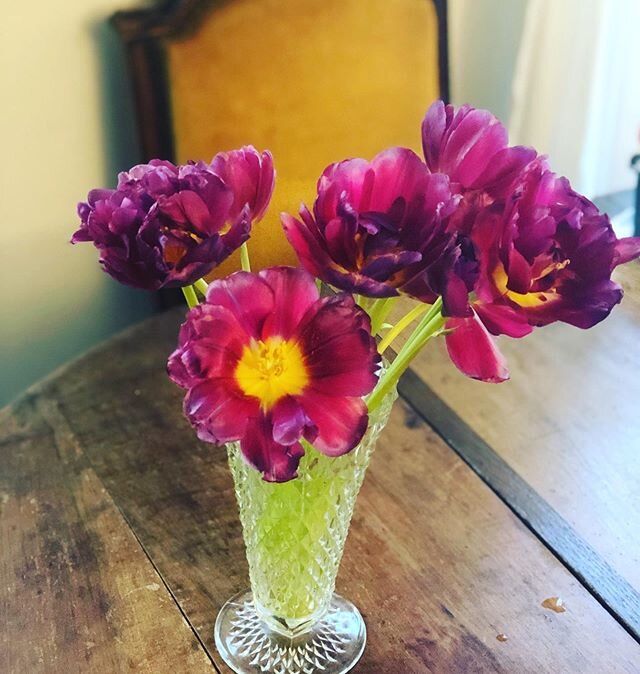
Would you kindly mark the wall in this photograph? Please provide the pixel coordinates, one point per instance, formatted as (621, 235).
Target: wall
(484, 39)
(65, 128)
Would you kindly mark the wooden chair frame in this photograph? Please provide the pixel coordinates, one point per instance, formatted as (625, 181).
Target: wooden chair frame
(143, 33)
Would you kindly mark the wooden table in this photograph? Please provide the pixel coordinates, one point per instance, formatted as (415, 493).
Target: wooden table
(119, 536)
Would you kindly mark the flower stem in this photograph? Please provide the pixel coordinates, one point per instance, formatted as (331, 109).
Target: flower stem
(190, 295)
(430, 325)
(401, 325)
(379, 310)
(202, 286)
(363, 302)
(244, 257)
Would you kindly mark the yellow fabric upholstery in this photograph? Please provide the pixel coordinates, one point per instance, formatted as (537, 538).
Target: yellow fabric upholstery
(314, 81)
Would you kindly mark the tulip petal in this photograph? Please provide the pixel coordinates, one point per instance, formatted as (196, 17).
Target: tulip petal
(473, 351)
(294, 291)
(340, 354)
(583, 308)
(210, 342)
(501, 319)
(399, 172)
(196, 262)
(470, 146)
(276, 462)
(382, 267)
(627, 249)
(504, 166)
(434, 126)
(251, 177)
(358, 283)
(238, 232)
(247, 296)
(341, 422)
(313, 257)
(290, 422)
(218, 411)
(519, 273)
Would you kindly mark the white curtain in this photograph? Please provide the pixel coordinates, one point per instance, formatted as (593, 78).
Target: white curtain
(576, 89)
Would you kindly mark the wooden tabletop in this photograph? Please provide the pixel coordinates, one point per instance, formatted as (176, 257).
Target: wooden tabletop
(120, 540)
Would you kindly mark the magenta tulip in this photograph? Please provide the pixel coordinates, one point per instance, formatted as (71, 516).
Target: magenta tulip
(267, 362)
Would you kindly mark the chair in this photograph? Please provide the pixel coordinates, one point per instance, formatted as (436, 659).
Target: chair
(314, 81)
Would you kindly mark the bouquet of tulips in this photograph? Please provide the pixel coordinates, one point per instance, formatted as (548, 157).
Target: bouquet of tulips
(484, 238)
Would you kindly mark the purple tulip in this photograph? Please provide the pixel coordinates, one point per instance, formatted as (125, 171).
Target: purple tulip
(267, 362)
(470, 146)
(167, 225)
(544, 252)
(546, 256)
(380, 228)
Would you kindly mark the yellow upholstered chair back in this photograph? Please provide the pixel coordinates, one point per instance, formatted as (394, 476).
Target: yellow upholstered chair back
(314, 81)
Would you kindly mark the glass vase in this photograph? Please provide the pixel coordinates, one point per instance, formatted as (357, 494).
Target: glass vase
(291, 621)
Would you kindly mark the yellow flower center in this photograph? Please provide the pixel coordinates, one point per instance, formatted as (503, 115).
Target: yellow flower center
(534, 299)
(271, 369)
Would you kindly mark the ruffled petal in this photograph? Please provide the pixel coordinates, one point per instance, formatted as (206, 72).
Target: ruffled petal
(581, 307)
(219, 411)
(162, 226)
(290, 422)
(399, 173)
(294, 291)
(357, 283)
(205, 211)
(627, 249)
(210, 342)
(470, 146)
(251, 177)
(307, 245)
(340, 354)
(341, 422)
(501, 319)
(247, 296)
(198, 261)
(238, 232)
(276, 462)
(473, 351)
(503, 168)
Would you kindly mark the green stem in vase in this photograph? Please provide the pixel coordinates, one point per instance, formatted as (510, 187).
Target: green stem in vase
(190, 295)
(244, 257)
(379, 311)
(363, 302)
(430, 325)
(202, 286)
(399, 327)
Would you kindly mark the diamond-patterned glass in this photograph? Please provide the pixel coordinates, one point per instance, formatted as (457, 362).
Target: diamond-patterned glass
(295, 531)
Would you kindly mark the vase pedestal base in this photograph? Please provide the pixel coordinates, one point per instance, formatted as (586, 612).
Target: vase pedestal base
(332, 645)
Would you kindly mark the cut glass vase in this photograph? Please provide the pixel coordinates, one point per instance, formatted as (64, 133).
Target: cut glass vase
(291, 621)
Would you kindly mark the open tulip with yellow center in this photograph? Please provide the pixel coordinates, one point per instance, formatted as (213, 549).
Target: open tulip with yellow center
(267, 362)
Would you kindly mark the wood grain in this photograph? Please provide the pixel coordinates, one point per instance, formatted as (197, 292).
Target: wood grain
(436, 562)
(77, 592)
(567, 422)
(614, 593)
